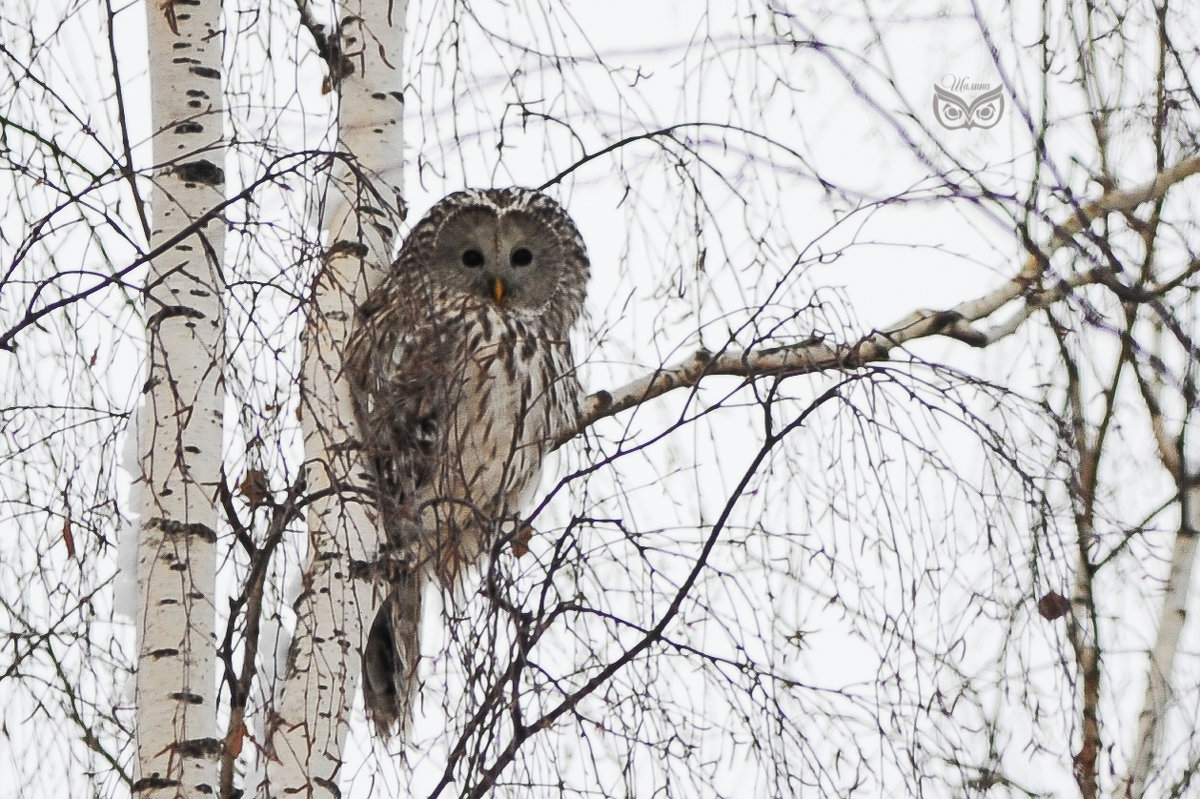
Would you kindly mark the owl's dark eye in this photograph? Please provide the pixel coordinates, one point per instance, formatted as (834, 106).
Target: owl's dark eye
(522, 256)
(472, 258)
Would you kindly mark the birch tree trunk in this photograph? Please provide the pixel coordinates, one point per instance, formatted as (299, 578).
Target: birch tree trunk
(181, 423)
(1161, 668)
(339, 592)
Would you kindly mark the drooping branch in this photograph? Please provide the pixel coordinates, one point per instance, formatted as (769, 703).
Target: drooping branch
(959, 322)
(488, 775)
(1029, 292)
(159, 245)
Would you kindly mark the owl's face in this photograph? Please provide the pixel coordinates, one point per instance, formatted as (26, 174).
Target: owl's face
(514, 247)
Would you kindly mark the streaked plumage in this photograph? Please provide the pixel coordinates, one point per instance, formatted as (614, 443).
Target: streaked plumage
(462, 376)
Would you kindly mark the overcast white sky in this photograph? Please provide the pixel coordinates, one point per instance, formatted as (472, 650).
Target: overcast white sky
(685, 251)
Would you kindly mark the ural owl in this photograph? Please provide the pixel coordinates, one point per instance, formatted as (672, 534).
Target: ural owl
(462, 377)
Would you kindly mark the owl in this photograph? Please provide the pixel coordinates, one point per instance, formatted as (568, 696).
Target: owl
(461, 377)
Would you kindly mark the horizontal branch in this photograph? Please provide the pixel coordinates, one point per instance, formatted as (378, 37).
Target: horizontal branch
(816, 354)
(806, 357)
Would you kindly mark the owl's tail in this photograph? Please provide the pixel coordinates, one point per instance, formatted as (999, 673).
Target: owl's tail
(391, 654)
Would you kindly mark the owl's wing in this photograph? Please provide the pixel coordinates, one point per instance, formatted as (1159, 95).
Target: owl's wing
(397, 364)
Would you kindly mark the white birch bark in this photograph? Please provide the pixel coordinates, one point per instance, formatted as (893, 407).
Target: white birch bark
(1166, 646)
(181, 424)
(339, 594)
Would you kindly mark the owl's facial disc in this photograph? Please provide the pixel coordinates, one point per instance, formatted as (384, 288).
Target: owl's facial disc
(508, 257)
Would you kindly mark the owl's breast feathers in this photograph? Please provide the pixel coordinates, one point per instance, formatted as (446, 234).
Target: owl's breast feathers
(458, 400)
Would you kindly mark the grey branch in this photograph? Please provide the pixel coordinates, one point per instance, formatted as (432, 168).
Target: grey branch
(816, 354)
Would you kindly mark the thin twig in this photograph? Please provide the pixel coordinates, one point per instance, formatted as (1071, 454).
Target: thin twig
(816, 355)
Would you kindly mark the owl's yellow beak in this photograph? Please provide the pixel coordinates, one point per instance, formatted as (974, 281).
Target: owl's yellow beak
(498, 289)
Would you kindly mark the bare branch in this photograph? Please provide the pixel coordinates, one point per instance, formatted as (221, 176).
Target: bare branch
(815, 355)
